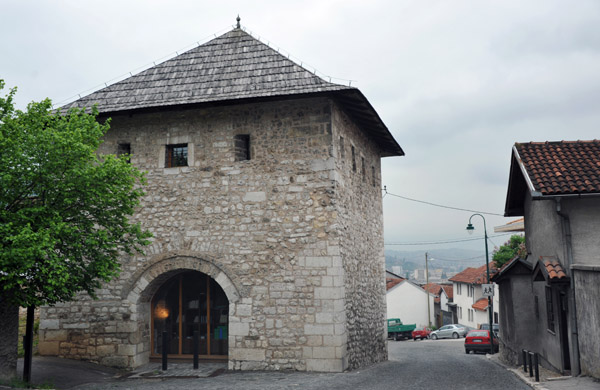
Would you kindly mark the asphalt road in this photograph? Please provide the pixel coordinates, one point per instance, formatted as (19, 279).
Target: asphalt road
(415, 365)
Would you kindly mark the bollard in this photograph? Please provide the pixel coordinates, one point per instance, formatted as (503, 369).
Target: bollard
(165, 347)
(524, 360)
(530, 362)
(195, 350)
(536, 367)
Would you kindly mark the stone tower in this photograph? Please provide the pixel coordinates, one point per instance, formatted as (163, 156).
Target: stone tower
(264, 198)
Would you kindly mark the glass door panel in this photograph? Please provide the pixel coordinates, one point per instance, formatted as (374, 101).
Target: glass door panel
(194, 306)
(219, 315)
(166, 316)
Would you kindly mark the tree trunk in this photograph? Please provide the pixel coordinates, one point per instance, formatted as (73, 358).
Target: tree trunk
(9, 335)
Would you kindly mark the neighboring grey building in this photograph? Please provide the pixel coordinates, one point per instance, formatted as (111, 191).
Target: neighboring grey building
(550, 302)
(264, 198)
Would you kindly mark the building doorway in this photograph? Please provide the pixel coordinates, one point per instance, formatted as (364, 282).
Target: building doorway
(190, 301)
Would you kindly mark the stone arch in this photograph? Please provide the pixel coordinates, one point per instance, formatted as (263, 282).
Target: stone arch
(162, 267)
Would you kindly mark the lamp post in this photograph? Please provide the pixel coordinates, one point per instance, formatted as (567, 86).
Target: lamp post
(427, 292)
(470, 229)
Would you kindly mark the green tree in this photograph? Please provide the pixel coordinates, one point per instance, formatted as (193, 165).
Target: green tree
(64, 211)
(513, 247)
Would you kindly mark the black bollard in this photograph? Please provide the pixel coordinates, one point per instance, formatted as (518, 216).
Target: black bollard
(524, 360)
(195, 350)
(28, 345)
(536, 367)
(530, 362)
(165, 347)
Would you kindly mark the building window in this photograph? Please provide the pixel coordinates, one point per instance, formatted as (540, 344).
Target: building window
(549, 309)
(495, 317)
(124, 149)
(353, 160)
(364, 170)
(460, 312)
(342, 149)
(458, 289)
(536, 306)
(469, 291)
(176, 156)
(470, 314)
(242, 147)
(373, 176)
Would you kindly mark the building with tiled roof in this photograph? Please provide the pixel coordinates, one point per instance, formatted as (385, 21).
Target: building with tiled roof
(264, 199)
(467, 294)
(442, 303)
(555, 187)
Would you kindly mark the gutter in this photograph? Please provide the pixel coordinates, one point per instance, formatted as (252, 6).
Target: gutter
(566, 224)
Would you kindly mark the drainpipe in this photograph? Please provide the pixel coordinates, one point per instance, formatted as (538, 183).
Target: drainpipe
(566, 224)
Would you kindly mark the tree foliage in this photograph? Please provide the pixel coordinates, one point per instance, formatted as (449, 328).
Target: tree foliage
(63, 208)
(513, 247)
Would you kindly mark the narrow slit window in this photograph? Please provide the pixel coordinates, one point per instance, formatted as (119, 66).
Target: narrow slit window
(342, 150)
(373, 177)
(176, 156)
(353, 160)
(364, 170)
(242, 147)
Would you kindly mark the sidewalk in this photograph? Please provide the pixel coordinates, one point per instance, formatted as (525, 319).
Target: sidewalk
(549, 380)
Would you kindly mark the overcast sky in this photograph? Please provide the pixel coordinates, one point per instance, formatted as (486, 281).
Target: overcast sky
(456, 82)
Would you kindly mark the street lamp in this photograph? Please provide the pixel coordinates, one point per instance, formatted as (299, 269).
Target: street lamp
(470, 229)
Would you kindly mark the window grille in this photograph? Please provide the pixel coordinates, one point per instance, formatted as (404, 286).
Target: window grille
(176, 156)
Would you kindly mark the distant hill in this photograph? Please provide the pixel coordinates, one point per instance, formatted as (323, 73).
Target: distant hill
(450, 259)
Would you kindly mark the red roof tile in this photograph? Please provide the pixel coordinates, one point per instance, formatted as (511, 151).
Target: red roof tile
(432, 288)
(474, 275)
(449, 291)
(481, 304)
(391, 282)
(565, 167)
(554, 269)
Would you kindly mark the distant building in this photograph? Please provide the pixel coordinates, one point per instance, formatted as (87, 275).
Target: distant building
(471, 306)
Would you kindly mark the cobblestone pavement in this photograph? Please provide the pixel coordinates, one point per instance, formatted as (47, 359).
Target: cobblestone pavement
(426, 365)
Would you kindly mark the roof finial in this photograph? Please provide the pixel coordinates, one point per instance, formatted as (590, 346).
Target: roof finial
(238, 21)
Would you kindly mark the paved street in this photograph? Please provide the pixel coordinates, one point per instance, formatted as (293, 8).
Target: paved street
(428, 364)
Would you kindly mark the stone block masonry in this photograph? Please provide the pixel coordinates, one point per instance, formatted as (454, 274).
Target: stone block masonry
(293, 236)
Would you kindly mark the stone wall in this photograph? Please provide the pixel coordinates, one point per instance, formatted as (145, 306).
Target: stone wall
(358, 190)
(299, 255)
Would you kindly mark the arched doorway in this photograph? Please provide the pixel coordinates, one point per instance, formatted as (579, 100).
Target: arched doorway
(190, 301)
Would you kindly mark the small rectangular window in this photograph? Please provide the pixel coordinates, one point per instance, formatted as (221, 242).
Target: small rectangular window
(242, 147)
(353, 160)
(124, 149)
(176, 156)
(342, 149)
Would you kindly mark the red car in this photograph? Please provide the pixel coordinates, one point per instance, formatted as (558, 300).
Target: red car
(479, 341)
(421, 333)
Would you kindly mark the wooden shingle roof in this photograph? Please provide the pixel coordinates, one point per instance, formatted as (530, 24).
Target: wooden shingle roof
(231, 68)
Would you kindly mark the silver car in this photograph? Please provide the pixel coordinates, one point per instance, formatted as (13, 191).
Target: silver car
(447, 331)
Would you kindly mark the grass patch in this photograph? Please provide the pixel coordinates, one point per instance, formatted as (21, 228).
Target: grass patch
(17, 383)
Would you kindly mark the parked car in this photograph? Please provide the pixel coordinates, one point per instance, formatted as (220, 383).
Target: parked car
(421, 333)
(496, 328)
(453, 330)
(479, 341)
